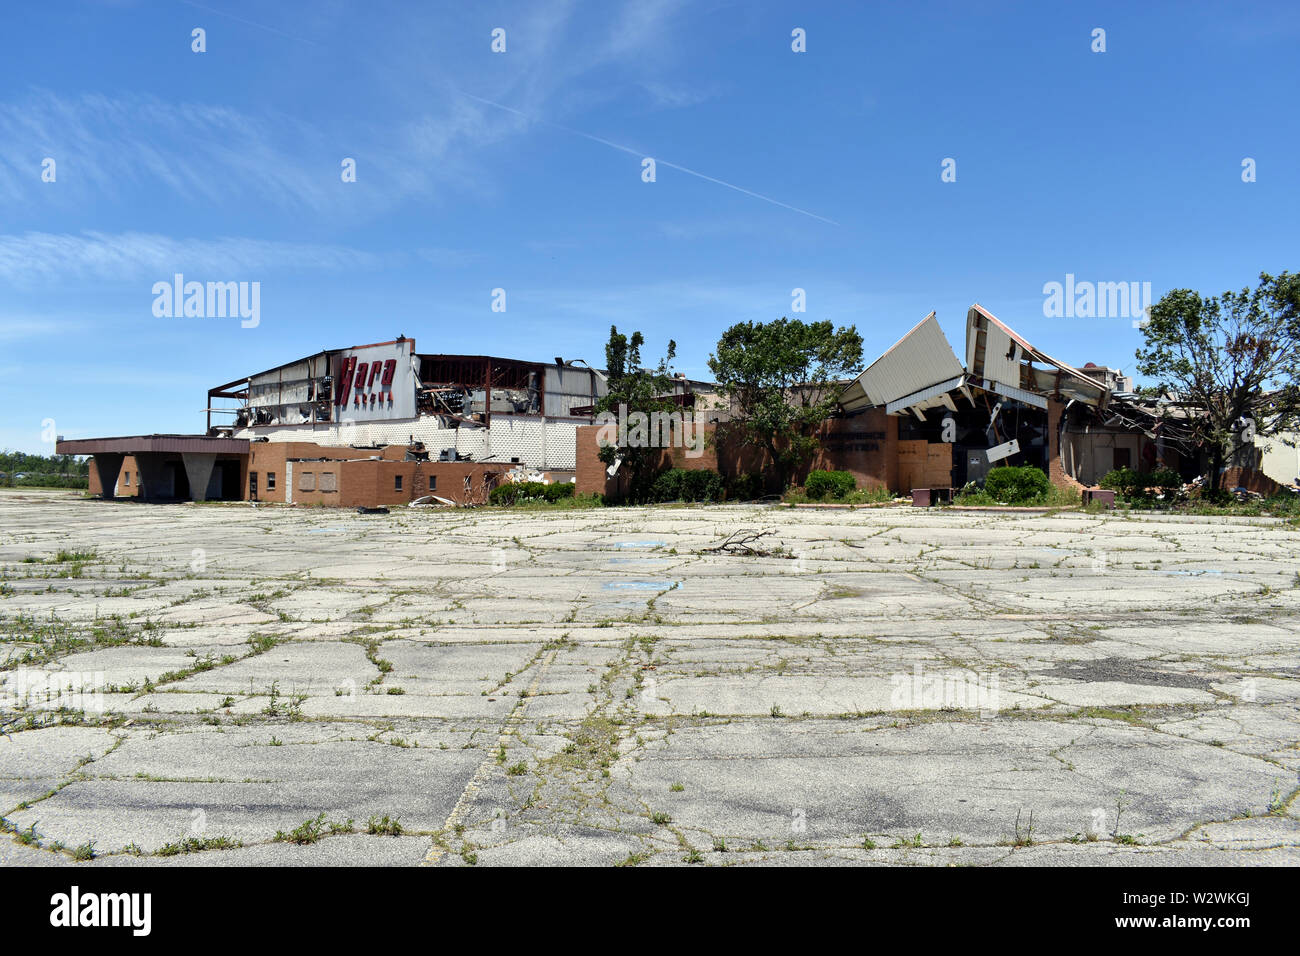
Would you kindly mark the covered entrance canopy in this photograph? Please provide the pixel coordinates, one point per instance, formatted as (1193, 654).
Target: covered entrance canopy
(170, 467)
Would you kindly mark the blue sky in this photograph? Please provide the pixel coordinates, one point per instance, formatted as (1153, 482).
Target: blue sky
(225, 166)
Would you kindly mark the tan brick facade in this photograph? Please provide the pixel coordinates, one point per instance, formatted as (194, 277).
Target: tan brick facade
(864, 445)
(333, 476)
(351, 477)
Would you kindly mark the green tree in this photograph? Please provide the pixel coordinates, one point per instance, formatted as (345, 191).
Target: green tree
(52, 471)
(784, 379)
(635, 389)
(1230, 358)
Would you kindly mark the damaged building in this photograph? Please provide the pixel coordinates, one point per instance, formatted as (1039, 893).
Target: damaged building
(1004, 405)
(1010, 403)
(364, 425)
(384, 424)
(921, 418)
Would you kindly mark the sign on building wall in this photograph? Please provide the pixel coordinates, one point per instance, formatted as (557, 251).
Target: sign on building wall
(375, 382)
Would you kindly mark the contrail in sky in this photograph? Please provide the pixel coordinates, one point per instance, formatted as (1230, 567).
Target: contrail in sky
(658, 162)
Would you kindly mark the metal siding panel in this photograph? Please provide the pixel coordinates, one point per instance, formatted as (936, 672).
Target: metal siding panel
(997, 366)
(919, 359)
(1019, 394)
(568, 388)
(905, 401)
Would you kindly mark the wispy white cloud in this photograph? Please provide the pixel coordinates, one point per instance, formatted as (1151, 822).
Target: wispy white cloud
(39, 256)
(676, 95)
(18, 328)
(110, 147)
(106, 145)
(426, 144)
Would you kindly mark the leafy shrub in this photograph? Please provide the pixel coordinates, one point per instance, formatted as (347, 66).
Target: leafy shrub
(1123, 481)
(1136, 486)
(1167, 481)
(836, 484)
(1217, 496)
(747, 487)
(1016, 485)
(687, 484)
(667, 485)
(559, 490)
(39, 480)
(973, 495)
(699, 485)
(513, 492)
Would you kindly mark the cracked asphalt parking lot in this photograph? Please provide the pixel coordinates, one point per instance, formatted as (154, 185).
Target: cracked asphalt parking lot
(183, 683)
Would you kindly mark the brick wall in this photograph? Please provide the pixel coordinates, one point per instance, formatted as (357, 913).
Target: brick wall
(270, 457)
(1250, 479)
(864, 445)
(1055, 467)
(130, 467)
(373, 483)
(357, 483)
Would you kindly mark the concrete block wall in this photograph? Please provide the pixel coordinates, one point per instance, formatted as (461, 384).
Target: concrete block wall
(537, 443)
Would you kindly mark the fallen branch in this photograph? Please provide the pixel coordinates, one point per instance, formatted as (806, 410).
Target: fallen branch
(10, 721)
(741, 542)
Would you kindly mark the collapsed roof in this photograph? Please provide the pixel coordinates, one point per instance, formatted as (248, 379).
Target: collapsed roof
(922, 359)
(997, 354)
(920, 371)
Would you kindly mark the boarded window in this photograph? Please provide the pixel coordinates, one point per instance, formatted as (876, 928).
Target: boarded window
(307, 481)
(327, 481)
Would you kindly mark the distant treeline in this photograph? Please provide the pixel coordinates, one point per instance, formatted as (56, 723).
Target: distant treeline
(43, 471)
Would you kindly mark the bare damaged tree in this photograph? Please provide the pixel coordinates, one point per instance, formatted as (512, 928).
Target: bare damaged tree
(1234, 359)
